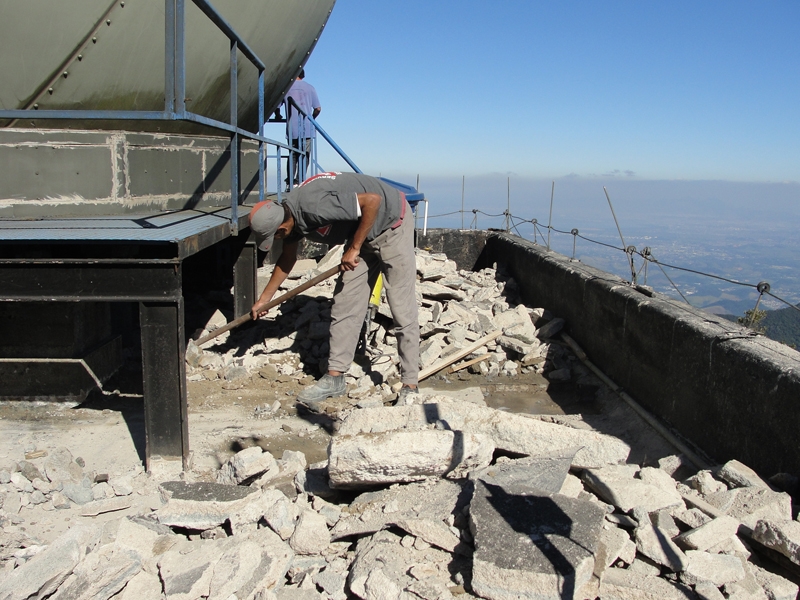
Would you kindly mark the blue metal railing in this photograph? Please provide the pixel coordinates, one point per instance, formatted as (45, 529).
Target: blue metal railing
(303, 152)
(175, 94)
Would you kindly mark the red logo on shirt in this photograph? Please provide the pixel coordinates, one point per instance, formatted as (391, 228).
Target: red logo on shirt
(328, 175)
(325, 230)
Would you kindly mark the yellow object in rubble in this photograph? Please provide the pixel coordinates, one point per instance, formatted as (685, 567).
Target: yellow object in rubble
(375, 297)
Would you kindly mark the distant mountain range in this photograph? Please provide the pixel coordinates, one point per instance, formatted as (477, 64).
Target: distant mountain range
(782, 325)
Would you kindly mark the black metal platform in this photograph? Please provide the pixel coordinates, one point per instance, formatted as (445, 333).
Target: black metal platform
(135, 258)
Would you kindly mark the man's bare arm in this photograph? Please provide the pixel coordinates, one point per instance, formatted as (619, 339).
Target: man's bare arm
(369, 203)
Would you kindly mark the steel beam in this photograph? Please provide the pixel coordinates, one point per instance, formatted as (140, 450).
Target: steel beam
(244, 278)
(164, 373)
(65, 282)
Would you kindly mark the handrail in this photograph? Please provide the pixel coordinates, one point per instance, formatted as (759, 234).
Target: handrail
(293, 105)
(175, 93)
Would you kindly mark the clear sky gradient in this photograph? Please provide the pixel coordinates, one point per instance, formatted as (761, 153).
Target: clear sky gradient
(679, 90)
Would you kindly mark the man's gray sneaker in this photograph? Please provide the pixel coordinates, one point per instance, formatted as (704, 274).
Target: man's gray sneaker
(407, 396)
(327, 387)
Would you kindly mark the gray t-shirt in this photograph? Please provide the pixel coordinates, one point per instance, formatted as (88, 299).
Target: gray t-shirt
(325, 207)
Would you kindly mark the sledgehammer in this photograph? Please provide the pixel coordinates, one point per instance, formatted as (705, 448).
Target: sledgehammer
(272, 303)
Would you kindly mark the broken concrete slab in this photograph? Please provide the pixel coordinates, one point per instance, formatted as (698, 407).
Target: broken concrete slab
(534, 474)
(61, 466)
(202, 506)
(384, 552)
(709, 534)
(147, 538)
(141, 586)
(237, 572)
(433, 500)
(692, 517)
(311, 535)
(436, 533)
(100, 575)
(718, 569)
(775, 586)
(625, 584)
(658, 547)
(246, 464)
(752, 504)
(531, 546)
(187, 568)
(42, 574)
(614, 544)
(404, 456)
(780, 535)
(510, 432)
(705, 483)
(708, 591)
(282, 516)
(246, 518)
(618, 486)
(737, 474)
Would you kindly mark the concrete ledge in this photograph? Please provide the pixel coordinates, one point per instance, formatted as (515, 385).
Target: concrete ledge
(731, 393)
(72, 173)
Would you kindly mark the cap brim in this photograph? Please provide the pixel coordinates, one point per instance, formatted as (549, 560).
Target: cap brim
(264, 244)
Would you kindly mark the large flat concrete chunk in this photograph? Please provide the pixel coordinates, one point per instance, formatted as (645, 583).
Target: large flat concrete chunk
(531, 546)
(509, 432)
(624, 584)
(374, 511)
(404, 456)
(41, 576)
(752, 504)
(618, 486)
(204, 506)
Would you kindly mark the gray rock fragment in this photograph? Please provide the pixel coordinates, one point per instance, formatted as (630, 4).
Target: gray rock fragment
(80, 492)
(246, 464)
(709, 534)
(708, 591)
(781, 535)
(100, 575)
(737, 474)
(44, 573)
(718, 569)
(60, 466)
(404, 456)
(311, 535)
(658, 547)
(752, 504)
(187, 568)
(141, 586)
(775, 586)
(618, 486)
(625, 584)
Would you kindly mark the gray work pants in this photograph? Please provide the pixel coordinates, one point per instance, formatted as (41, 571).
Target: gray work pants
(391, 253)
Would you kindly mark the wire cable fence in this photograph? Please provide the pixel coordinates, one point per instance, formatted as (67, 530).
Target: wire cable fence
(513, 222)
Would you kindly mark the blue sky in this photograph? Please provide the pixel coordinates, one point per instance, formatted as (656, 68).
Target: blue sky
(546, 90)
(686, 111)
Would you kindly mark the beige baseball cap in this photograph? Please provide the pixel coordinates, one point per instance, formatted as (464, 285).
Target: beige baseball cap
(265, 218)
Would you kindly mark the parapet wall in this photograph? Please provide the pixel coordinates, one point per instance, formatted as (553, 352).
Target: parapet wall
(733, 394)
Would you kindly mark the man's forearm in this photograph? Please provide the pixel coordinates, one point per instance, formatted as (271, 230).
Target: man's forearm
(369, 204)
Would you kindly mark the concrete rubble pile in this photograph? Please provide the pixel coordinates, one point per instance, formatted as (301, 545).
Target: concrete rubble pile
(456, 309)
(439, 499)
(470, 522)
